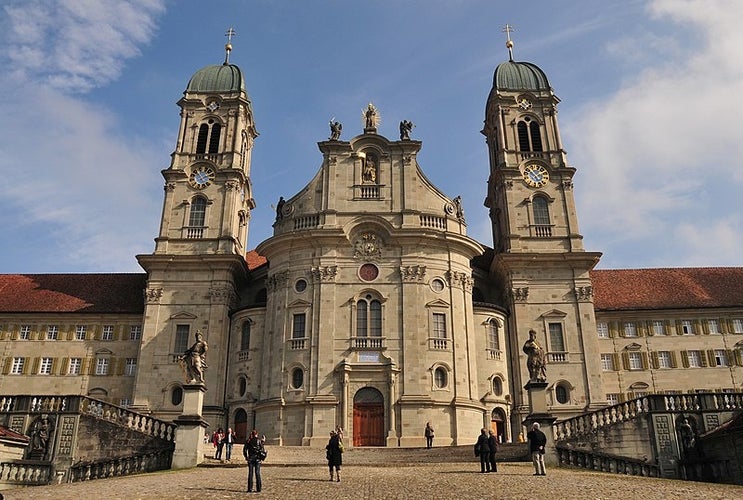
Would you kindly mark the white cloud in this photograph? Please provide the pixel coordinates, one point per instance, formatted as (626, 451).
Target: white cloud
(651, 156)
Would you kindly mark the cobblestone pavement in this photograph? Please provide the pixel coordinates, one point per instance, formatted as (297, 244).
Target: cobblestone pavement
(460, 480)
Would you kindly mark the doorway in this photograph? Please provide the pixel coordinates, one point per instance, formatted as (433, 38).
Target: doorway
(498, 424)
(368, 418)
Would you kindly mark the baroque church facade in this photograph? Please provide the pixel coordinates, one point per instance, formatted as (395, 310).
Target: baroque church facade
(370, 308)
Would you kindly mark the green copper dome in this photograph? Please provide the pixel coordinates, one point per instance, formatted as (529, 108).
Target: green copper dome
(217, 78)
(513, 75)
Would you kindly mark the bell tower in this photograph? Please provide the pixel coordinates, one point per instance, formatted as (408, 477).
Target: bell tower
(539, 254)
(198, 264)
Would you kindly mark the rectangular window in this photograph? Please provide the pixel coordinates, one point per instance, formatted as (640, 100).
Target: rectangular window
(135, 332)
(713, 326)
(108, 332)
(602, 328)
(125, 402)
(17, 367)
(607, 362)
(630, 329)
(557, 343)
(694, 358)
(181, 338)
(687, 327)
(635, 360)
(52, 332)
(493, 336)
(664, 359)
(298, 326)
(659, 327)
(45, 368)
(80, 332)
(101, 366)
(131, 367)
(738, 326)
(612, 399)
(439, 325)
(721, 357)
(25, 332)
(74, 367)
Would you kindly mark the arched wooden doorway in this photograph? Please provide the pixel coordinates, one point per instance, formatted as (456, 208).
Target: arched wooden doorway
(241, 426)
(368, 418)
(498, 424)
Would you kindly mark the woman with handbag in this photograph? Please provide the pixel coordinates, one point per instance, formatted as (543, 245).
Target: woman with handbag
(334, 454)
(254, 452)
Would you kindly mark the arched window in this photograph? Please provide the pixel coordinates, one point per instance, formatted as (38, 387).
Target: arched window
(203, 136)
(497, 386)
(214, 138)
(541, 211)
(198, 212)
(440, 377)
(493, 341)
(368, 317)
(176, 396)
(530, 138)
(562, 393)
(245, 337)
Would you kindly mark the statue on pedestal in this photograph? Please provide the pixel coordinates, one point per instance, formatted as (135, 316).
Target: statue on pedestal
(193, 360)
(536, 360)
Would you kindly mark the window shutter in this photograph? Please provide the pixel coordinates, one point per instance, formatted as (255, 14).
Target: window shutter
(25, 366)
(674, 361)
(618, 327)
(14, 335)
(644, 360)
(685, 359)
(55, 366)
(6, 366)
(703, 359)
(35, 368)
(649, 328)
(723, 325)
(697, 326)
(63, 366)
(622, 397)
(96, 333)
(87, 367)
(654, 363)
(616, 361)
(704, 327)
(71, 335)
(738, 357)
(679, 327)
(625, 360)
(120, 364)
(640, 325)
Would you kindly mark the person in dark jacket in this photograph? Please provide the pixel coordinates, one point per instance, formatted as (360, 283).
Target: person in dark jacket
(483, 449)
(254, 453)
(537, 441)
(334, 454)
(493, 443)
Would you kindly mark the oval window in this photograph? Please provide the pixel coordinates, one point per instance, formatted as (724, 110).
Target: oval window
(242, 386)
(497, 386)
(297, 378)
(176, 396)
(300, 286)
(561, 394)
(440, 378)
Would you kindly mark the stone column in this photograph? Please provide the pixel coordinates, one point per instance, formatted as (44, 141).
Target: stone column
(189, 436)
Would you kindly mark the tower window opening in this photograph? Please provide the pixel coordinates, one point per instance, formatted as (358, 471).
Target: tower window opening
(208, 136)
(536, 138)
(214, 138)
(541, 211)
(530, 139)
(201, 141)
(197, 216)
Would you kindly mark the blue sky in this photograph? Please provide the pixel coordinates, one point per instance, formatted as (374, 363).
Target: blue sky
(650, 93)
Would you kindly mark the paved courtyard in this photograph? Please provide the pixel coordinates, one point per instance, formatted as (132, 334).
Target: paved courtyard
(421, 481)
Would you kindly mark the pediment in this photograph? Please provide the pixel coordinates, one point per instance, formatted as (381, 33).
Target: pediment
(183, 315)
(299, 303)
(437, 303)
(107, 352)
(554, 313)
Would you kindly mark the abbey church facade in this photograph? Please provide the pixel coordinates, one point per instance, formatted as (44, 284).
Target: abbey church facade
(370, 308)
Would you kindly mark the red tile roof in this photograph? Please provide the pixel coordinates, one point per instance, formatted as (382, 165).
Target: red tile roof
(9, 435)
(255, 260)
(667, 288)
(66, 293)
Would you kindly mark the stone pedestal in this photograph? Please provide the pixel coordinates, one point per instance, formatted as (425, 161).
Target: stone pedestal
(538, 404)
(189, 435)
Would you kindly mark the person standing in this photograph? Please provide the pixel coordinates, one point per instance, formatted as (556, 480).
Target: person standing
(229, 441)
(483, 450)
(218, 441)
(254, 453)
(429, 435)
(334, 454)
(537, 442)
(493, 444)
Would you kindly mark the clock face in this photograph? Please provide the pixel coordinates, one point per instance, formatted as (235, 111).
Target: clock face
(202, 177)
(535, 175)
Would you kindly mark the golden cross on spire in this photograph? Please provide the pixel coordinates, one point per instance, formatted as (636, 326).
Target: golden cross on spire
(507, 29)
(228, 46)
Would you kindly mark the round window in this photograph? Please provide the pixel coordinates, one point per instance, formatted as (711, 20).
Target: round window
(368, 272)
(440, 378)
(297, 378)
(561, 394)
(437, 285)
(300, 286)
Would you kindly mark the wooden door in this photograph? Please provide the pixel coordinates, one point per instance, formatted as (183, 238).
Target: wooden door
(368, 424)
